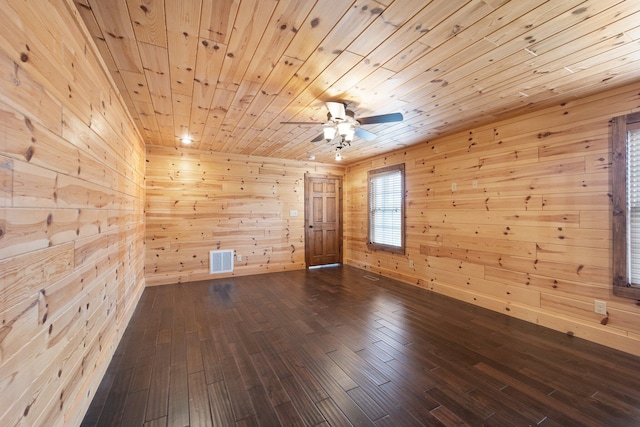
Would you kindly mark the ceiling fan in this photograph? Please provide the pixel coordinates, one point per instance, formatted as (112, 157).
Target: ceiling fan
(341, 125)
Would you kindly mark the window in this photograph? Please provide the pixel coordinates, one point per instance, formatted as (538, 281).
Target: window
(626, 205)
(386, 209)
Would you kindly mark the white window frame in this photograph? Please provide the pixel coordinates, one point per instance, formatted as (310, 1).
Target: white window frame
(386, 243)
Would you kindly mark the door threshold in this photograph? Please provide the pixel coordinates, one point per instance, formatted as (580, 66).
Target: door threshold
(314, 267)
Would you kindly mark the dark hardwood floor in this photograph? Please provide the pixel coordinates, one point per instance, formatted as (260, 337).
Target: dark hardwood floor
(332, 347)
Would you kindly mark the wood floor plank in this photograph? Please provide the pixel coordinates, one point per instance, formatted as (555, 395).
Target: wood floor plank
(413, 402)
(357, 368)
(305, 377)
(178, 406)
(240, 399)
(158, 422)
(288, 416)
(142, 374)
(93, 414)
(303, 403)
(115, 402)
(199, 410)
(264, 411)
(211, 361)
(273, 357)
(541, 401)
(329, 383)
(369, 406)
(369, 385)
(221, 410)
(194, 353)
(333, 414)
(270, 381)
(329, 347)
(134, 409)
(249, 375)
(444, 415)
(463, 406)
(159, 389)
(323, 363)
(513, 411)
(178, 345)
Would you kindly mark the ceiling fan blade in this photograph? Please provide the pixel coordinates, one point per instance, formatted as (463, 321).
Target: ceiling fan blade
(383, 118)
(365, 134)
(336, 109)
(299, 123)
(318, 138)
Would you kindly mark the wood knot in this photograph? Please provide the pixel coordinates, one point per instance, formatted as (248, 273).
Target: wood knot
(24, 57)
(28, 124)
(29, 153)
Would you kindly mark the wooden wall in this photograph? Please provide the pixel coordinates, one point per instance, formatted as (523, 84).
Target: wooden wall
(514, 217)
(200, 201)
(71, 215)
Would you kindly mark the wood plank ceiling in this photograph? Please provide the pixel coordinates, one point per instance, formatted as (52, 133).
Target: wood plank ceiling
(227, 72)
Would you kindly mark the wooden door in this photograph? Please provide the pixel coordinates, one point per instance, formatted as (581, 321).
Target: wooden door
(323, 219)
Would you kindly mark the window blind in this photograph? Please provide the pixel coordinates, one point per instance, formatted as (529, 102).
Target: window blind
(385, 208)
(633, 206)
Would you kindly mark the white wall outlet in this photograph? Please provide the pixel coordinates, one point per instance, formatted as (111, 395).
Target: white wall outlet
(454, 187)
(600, 307)
(474, 183)
(293, 212)
(238, 257)
(410, 263)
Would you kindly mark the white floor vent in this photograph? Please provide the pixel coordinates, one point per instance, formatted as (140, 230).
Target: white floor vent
(221, 261)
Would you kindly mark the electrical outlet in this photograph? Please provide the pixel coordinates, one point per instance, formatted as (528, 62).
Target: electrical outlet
(600, 307)
(474, 183)
(410, 263)
(454, 187)
(238, 257)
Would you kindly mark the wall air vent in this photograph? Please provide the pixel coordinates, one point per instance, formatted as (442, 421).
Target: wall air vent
(221, 261)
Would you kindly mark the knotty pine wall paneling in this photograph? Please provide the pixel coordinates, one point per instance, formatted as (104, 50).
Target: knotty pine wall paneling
(514, 217)
(71, 215)
(197, 201)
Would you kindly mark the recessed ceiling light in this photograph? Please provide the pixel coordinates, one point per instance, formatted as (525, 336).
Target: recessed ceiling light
(338, 157)
(186, 140)
(312, 157)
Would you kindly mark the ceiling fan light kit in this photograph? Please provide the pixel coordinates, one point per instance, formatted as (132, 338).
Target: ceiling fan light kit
(329, 131)
(341, 126)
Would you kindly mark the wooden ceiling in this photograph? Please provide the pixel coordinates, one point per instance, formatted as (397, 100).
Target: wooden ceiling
(227, 72)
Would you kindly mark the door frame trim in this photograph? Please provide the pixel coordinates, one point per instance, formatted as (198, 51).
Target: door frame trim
(307, 206)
